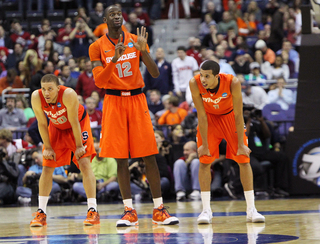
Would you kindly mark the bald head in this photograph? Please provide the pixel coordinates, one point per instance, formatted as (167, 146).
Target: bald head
(189, 147)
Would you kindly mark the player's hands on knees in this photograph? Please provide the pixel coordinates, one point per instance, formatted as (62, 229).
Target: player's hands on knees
(203, 151)
(80, 151)
(244, 150)
(141, 43)
(49, 154)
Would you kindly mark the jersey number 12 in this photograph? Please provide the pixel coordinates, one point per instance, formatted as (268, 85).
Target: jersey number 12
(126, 72)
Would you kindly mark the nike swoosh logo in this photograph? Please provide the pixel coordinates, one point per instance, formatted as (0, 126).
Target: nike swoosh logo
(107, 51)
(84, 143)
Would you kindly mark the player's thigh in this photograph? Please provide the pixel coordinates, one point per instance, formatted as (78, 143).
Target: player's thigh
(114, 131)
(141, 134)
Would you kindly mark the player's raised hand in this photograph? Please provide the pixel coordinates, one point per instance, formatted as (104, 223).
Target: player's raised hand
(141, 43)
(80, 151)
(120, 48)
(49, 154)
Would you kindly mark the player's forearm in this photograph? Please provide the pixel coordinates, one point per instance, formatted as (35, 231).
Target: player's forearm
(77, 135)
(240, 129)
(203, 129)
(44, 133)
(151, 65)
(103, 75)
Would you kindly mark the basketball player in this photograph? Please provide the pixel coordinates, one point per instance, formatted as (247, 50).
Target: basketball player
(126, 123)
(218, 100)
(68, 132)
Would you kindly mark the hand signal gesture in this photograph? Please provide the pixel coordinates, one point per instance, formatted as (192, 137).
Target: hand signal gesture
(141, 43)
(120, 48)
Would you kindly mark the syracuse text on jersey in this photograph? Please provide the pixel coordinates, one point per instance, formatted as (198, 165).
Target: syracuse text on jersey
(56, 114)
(209, 100)
(123, 57)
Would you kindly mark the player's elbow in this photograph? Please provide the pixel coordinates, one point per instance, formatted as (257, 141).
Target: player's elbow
(155, 74)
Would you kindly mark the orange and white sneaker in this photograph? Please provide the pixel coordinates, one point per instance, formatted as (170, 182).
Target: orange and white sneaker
(93, 217)
(128, 218)
(162, 217)
(40, 219)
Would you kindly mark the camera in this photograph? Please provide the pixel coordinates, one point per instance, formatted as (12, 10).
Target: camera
(3, 153)
(256, 113)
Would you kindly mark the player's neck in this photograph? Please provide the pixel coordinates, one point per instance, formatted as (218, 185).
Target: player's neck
(114, 33)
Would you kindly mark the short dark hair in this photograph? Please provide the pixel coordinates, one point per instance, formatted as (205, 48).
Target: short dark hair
(182, 48)
(174, 101)
(211, 65)
(50, 78)
(12, 73)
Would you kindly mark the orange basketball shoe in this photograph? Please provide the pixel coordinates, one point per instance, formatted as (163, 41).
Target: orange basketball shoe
(93, 217)
(128, 218)
(40, 219)
(162, 217)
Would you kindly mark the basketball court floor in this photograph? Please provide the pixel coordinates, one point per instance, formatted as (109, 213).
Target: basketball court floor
(287, 221)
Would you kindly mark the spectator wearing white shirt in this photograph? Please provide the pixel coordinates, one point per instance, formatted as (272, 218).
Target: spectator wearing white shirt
(182, 72)
(278, 69)
(253, 95)
(281, 95)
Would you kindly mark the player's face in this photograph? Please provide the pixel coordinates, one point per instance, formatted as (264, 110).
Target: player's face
(208, 80)
(114, 17)
(50, 91)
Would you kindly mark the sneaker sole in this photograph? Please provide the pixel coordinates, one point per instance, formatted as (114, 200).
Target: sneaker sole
(174, 222)
(126, 225)
(258, 220)
(90, 224)
(204, 221)
(37, 225)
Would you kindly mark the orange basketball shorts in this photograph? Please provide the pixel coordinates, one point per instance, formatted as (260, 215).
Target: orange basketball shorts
(63, 143)
(126, 127)
(222, 127)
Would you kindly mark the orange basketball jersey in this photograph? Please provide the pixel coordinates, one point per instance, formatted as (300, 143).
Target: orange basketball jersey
(126, 75)
(57, 113)
(221, 101)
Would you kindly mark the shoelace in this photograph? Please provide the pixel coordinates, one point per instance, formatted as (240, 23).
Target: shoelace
(38, 213)
(164, 211)
(127, 211)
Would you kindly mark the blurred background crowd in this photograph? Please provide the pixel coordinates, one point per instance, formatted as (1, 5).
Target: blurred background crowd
(257, 41)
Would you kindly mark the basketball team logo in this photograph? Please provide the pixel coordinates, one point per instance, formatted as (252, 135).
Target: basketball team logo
(224, 94)
(59, 105)
(306, 162)
(130, 44)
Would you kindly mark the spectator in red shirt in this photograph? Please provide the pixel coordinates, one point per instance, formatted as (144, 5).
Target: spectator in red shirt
(194, 50)
(94, 114)
(20, 36)
(142, 16)
(86, 85)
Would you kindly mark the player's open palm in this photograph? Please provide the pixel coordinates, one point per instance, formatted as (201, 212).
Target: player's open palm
(80, 151)
(119, 48)
(244, 150)
(49, 154)
(141, 43)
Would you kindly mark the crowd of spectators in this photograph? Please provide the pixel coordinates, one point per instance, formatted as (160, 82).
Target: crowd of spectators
(253, 42)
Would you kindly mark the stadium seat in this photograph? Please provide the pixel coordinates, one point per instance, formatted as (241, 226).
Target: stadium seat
(11, 15)
(57, 15)
(34, 16)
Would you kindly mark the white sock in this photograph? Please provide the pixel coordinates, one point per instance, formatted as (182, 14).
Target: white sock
(43, 201)
(128, 203)
(205, 198)
(249, 196)
(92, 203)
(157, 202)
